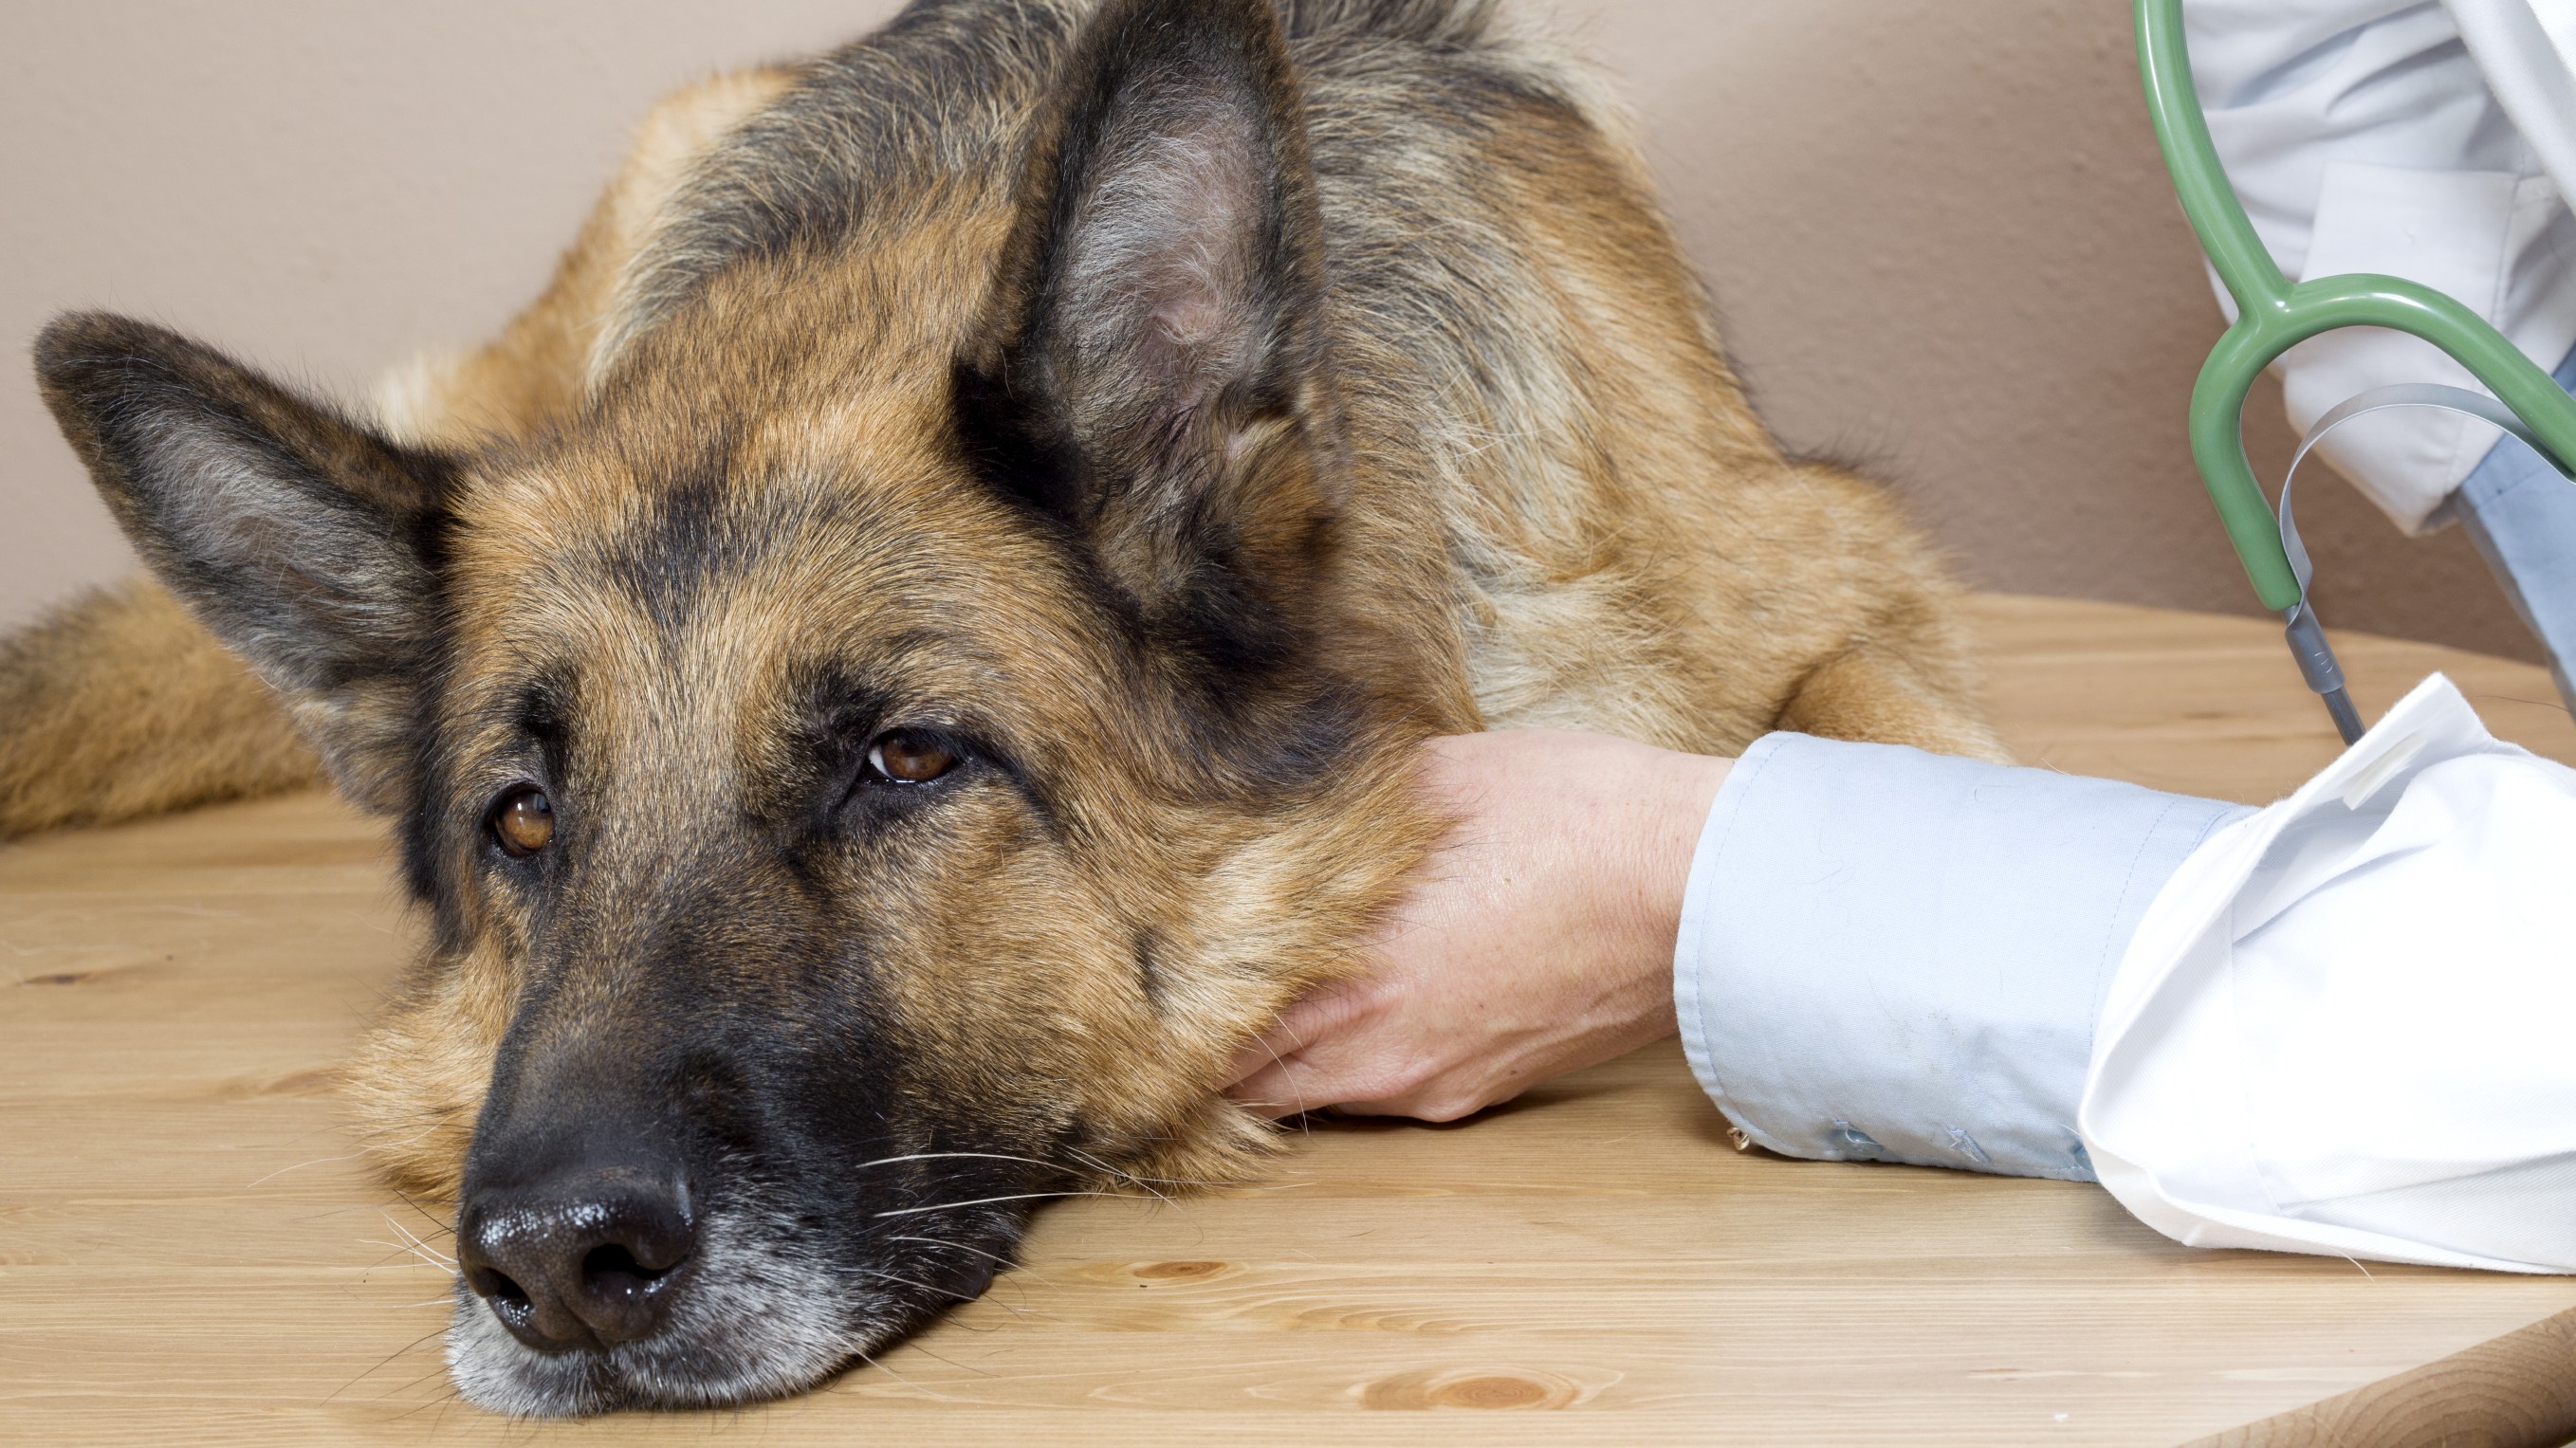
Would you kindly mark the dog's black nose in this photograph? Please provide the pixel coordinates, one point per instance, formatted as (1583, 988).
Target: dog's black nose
(578, 1258)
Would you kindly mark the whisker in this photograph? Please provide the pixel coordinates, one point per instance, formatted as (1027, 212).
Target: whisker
(871, 1360)
(1115, 1172)
(444, 1227)
(1085, 1158)
(1005, 1263)
(960, 1297)
(1127, 1175)
(442, 1401)
(426, 1251)
(1292, 1081)
(380, 1362)
(952, 1362)
(301, 1165)
(438, 1372)
(403, 1253)
(924, 1286)
(988, 1201)
(938, 1155)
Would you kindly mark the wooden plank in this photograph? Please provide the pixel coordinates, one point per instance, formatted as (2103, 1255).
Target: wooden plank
(2515, 1391)
(2210, 704)
(190, 1247)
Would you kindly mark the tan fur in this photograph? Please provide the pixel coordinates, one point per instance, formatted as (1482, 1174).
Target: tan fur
(1802, 599)
(710, 460)
(1588, 617)
(1228, 895)
(120, 706)
(1590, 611)
(1799, 597)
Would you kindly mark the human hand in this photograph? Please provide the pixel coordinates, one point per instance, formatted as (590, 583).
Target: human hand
(1537, 940)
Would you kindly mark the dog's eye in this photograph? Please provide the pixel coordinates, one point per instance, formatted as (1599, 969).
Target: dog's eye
(524, 821)
(902, 757)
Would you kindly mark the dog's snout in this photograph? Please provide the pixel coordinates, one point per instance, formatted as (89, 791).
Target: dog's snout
(579, 1258)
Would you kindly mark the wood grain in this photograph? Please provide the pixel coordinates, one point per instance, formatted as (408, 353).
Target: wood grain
(190, 1249)
(2517, 1391)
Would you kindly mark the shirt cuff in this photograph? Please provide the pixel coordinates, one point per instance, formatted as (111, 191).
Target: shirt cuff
(1889, 955)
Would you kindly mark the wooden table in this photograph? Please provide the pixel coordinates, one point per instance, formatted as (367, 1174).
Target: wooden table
(191, 1251)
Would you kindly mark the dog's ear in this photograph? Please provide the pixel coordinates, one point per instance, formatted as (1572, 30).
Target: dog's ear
(1157, 377)
(304, 541)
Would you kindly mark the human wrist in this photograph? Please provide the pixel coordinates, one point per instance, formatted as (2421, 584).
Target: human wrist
(1671, 794)
(1693, 781)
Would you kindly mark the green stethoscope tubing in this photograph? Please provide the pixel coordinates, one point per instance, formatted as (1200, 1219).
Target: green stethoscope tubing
(2274, 315)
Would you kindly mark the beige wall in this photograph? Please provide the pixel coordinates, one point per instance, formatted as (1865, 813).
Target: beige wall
(1937, 231)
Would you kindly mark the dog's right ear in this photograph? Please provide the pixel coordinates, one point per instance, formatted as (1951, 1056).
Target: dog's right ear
(1158, 380)
(307, 543)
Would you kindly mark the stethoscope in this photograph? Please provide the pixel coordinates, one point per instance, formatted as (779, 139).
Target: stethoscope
(2274, 315)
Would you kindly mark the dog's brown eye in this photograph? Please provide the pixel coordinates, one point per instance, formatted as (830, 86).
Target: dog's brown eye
(525, 822)
(909, 758)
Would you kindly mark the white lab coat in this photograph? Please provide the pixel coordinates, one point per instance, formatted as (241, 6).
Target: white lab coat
(2431, 141)
(2343, 1024)
(2347, 1025)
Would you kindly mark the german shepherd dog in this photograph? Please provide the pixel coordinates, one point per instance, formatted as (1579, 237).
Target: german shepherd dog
(909, 653)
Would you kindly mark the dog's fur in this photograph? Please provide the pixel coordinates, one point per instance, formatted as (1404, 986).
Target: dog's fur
(1179, 411)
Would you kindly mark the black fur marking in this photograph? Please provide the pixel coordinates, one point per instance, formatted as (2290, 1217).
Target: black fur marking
(1227, 627)
(1149, 974)
(694, 530)
(1004, 443)
(1264, 717)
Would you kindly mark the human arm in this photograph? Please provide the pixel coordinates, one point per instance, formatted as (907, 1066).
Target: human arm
(1826, 928)
(2332, 1025)
(1888, 955)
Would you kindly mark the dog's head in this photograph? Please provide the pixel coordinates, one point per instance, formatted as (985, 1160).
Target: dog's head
(867, 771)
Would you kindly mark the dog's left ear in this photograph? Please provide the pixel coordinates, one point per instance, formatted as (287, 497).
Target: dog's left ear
(1158, 378)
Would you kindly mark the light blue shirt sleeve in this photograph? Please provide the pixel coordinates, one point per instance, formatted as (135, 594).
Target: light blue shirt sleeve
(1889, 955)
